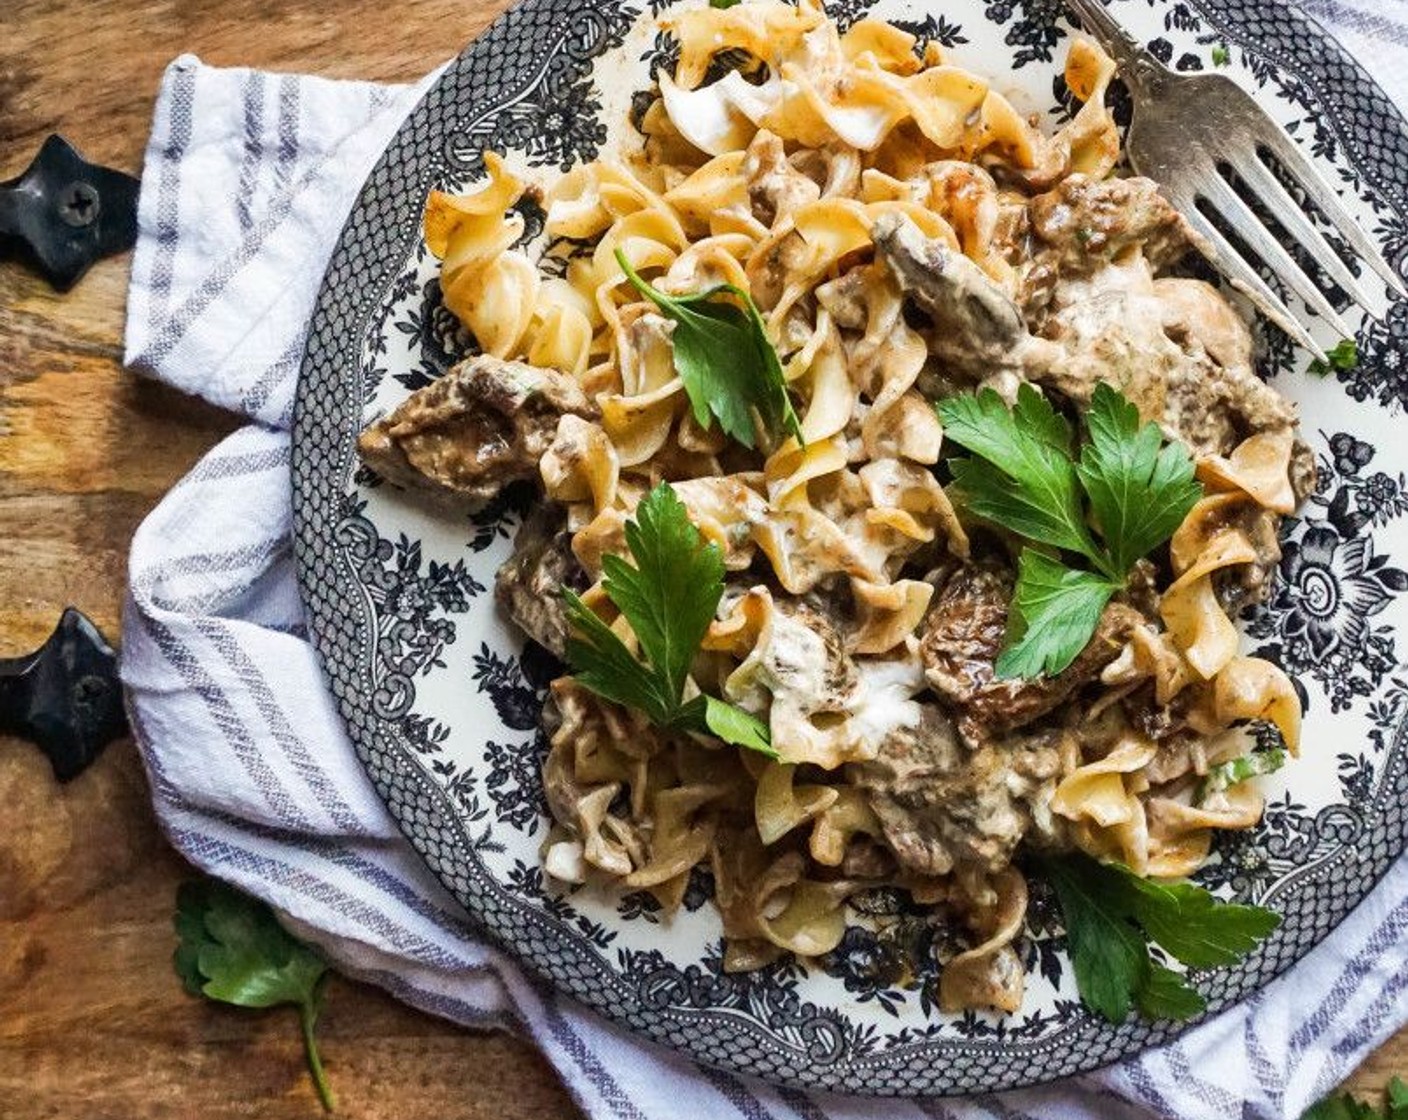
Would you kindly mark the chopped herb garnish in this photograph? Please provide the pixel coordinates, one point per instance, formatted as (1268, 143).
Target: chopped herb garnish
(1237, 770)
(1221, 56)
(1113, 915)
(1342, 357)
(730, 369)
(1121, 498)
(669, 597)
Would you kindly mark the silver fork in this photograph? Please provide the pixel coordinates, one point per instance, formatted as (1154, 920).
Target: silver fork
(1187, 130)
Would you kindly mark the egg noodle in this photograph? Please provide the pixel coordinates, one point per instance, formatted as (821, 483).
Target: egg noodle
(907, 235)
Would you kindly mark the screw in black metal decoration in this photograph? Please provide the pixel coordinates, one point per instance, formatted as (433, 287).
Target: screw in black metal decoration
(80, 205)
(64, 213)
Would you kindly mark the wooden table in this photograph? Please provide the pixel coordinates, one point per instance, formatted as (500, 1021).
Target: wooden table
(93, 1023)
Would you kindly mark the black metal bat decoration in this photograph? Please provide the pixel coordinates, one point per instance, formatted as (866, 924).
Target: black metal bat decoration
(66, 213)
(65, 696)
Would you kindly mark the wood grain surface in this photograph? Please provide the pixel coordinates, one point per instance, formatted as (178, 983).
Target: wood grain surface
(93, 1023)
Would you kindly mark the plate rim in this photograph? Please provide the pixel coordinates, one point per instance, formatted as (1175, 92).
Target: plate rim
(344, 650)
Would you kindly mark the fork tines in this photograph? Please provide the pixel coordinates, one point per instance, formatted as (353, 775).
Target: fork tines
(1201, 137)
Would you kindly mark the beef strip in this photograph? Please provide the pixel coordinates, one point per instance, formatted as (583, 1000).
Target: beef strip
(802, 671)
(867, 859)
(529, 583)
(1088, 222)
(1172, 346)
(845, 297)
(1161, 722)
(1169, 346)
(943, 805)
(977, 328)
(1084, 224)
(1197, 318)
(963, 635)
(482, 425)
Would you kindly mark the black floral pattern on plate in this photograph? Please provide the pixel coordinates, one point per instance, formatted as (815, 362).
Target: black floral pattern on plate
(1320, 618)
(518, 704)
(500, 517)
(933, 28)
(439, 339)
(557, 128)
(515, 781)
(1036, 29)
(413, 599)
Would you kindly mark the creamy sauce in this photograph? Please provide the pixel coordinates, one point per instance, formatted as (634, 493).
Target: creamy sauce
(1132, 276)
(794, 666)
(789, 665)
(884, 701)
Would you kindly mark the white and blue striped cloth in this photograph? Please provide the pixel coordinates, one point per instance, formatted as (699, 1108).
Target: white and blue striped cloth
(247, 181)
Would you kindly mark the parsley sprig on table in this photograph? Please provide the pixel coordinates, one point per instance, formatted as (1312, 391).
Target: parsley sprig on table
(1112, 915)
(233, 950)
(1345, 1107)
(669, 597)
(1122, 497)
(731, 371)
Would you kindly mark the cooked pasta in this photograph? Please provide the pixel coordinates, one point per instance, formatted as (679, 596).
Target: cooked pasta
(906, 235)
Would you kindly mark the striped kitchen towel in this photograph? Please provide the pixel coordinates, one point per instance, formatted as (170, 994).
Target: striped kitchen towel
(248, 178)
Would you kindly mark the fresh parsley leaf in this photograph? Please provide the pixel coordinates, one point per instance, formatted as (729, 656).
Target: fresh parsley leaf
(669, 597)
(1397, 1100)
(734, 725)
(1126, 484)
(1054, 611)
(1343, 356)
(1198, 929)
(1111, 914)
(1342, 1107)
(1139, 488)
(1237, 770)
(1345, 1107)
(1028, 441)
(730, 369)
(601, 663)
(232, 949)
(1166, 995)
(723, 3)
(1221, 56)
(1109, 957)
(1023, 478)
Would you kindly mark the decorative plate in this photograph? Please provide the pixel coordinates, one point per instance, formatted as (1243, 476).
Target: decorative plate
(443, 706)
